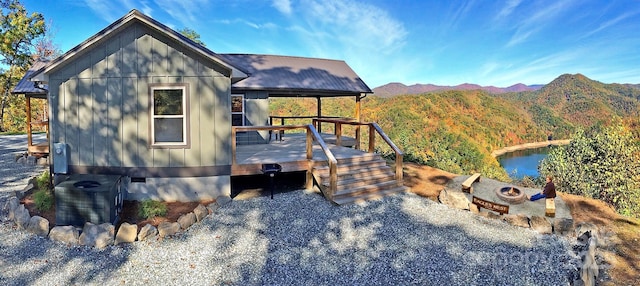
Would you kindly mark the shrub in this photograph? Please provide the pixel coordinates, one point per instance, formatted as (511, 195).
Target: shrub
(150, 209)
(601, 163)
(43, 182)
(43, 199)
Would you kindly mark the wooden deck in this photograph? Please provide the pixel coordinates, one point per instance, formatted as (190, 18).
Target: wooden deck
(290, 153)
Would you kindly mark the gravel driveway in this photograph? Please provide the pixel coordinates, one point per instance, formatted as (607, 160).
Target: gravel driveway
(299, 238)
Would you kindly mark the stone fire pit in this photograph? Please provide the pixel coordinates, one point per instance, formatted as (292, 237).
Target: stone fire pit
(511, 195)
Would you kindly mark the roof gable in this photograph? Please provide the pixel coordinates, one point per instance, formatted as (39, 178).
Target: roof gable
(122, 23)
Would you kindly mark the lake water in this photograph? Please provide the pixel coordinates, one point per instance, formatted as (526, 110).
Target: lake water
(524, 162)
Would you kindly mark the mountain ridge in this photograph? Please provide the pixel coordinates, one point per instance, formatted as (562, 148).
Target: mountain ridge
(396, 88)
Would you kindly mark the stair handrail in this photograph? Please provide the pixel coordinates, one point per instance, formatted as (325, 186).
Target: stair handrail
(312, 135)
(373, 129)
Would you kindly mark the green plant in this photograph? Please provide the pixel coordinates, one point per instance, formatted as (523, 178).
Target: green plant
(602, 163)
(150, 209)
(43, 199)
(43, 181)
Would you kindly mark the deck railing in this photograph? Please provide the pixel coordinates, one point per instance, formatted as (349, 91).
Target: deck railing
(312, 135)
(373, 129)
(283, 120)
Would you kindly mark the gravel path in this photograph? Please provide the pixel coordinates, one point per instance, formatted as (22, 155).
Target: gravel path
(299, 238)
(13, 176)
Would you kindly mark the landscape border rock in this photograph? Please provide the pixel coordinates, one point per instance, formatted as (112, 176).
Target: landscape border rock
(127, 233)
(66, 234)
(103, 235)
(541, 225)
(38, 226)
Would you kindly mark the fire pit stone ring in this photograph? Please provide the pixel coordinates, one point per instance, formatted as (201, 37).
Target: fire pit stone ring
(511, 195)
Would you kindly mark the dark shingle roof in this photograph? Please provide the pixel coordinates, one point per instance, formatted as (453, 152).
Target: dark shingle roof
(304, 75)
(26, 86)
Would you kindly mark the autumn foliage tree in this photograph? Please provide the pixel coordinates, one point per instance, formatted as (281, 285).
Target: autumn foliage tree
(18, 33)
(602, 163)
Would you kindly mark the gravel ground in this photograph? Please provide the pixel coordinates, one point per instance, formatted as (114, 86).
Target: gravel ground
(299, 238)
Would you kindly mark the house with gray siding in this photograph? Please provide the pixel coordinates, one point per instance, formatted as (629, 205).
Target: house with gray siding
(140, 100)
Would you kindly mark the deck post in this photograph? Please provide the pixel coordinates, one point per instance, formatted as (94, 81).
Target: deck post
(338, 127)
(233, 146)
(399, 169)
(29, 135)
(372, 138)
(357, 116)
(309, 176)
(319, 106)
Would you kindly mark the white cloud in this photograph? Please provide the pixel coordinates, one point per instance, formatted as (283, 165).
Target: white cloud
(188, 13)
(535, 22)
(284, 6)
(508, 9)
(354, 24)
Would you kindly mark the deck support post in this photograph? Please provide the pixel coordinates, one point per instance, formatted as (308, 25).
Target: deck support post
(29, 135)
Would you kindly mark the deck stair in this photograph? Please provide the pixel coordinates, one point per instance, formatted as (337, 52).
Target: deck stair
(360, 178)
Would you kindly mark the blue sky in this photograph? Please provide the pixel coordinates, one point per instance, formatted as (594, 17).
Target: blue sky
(444, 42)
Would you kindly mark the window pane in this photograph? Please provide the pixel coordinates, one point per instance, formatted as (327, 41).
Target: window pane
(236, 104)
(236, 119)
(168, 130)
(167, 101)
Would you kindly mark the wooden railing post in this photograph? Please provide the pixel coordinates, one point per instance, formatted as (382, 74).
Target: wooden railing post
(233, 146)
(357, 147)
(338, 127)
(309, 177)
(372, 138)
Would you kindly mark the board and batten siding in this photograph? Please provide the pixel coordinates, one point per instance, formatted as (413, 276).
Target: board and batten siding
(100, 102)
(256, 113)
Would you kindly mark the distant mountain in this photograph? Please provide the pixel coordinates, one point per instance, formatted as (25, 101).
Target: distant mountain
(579, 101)
(396, 88)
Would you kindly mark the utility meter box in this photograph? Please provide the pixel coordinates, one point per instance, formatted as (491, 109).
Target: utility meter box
(60, 158)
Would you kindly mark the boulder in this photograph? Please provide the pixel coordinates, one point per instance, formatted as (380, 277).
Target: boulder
(474, 208)
(201, 212)
(147, 232)
(168, 228)
(517, 220)
(563, 226)
(223, 200)
(28, 189)
(22, 217)
(589, 269)
(38, 225)
(126, 233)
(67, 234)
(98, 236)
(31, 160)
(454, 199)
(540, 225)
(187, 220)
(43, 161)
(213, 207)
(493, 215)
(584, 231)
(11, 206)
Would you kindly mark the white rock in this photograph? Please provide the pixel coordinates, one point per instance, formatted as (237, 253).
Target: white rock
(39, 226)
(126, 233)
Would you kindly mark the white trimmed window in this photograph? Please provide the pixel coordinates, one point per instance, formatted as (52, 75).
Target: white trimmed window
(237, 110)
(169, 120)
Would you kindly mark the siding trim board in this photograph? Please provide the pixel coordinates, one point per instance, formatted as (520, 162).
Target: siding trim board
(154, 172)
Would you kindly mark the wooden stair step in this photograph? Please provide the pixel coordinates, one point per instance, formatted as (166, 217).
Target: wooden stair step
(353, 172)
(364, 180)
(365, 189)
(348, 167)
